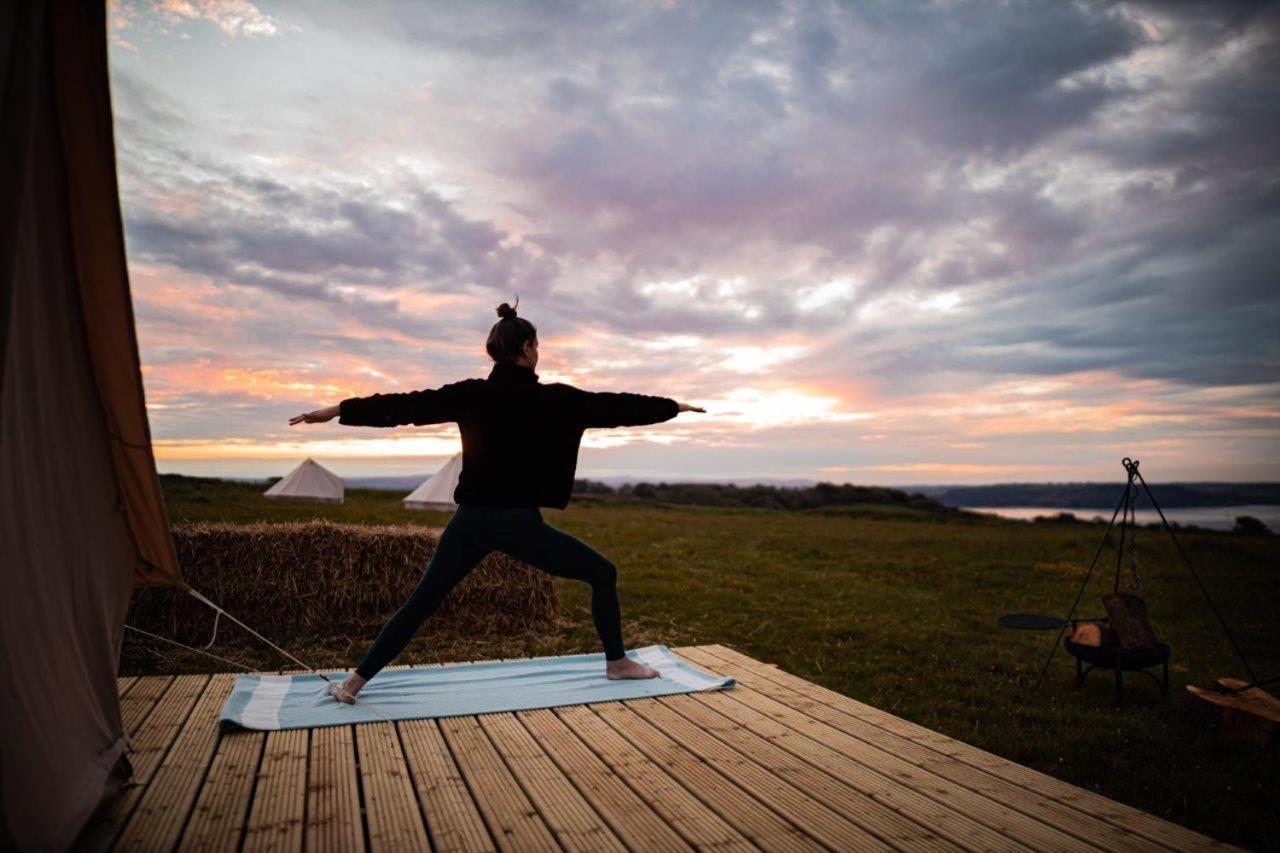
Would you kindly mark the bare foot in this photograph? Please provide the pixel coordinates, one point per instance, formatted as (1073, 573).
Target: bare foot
(346, 692)
(627, 668)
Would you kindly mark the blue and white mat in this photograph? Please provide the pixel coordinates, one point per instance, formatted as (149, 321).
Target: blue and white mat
(272, 702)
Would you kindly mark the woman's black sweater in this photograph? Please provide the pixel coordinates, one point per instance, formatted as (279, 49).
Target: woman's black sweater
(519, 437)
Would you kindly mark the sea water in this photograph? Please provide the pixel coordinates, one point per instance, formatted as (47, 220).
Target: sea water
(1214, 517)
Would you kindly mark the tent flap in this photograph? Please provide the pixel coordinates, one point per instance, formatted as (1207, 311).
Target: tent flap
(83, 104)
(80, 503)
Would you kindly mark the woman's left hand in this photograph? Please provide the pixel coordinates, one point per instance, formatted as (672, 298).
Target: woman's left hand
(319, 416)
(685, 407)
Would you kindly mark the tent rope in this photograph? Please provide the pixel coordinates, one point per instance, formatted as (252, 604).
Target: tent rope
(335, 686)
(188, 648)
(217, 617)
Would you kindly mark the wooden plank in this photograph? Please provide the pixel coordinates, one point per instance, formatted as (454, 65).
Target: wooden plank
(964, 801)
(896, 830)
(142, 697)
(280, 795)
(512, 819)
(569, 816)
(1252, 714)
(1126, 817)
(391, 810)
(151, 740)
(453, 821)
(162, 725)
(744, 766)
(1086, 828)
(762, 826)
(630, 817)
(1255, 694)
(686, 814)
(124, 683)
(333, 796)
(222, 809)
(158, 821)
(946, 822)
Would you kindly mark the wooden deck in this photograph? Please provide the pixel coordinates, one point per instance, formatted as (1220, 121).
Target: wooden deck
(776, 763)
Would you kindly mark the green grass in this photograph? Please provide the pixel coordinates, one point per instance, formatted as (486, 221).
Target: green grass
(897, 608)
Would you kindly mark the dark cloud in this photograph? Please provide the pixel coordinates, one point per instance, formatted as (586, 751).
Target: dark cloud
(339, 243)
(1097, 182)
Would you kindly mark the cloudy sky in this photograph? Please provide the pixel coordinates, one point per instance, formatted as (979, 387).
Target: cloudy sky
(880, 242)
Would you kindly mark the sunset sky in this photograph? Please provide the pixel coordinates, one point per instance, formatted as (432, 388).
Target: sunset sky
(880, 242)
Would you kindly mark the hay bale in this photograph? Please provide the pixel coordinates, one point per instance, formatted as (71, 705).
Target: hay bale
(318, 577)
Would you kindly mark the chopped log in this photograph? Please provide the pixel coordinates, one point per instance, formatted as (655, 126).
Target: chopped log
(1257, 694)
(1128, 618)
(1087, 634)
(1251, 715)
(1091, 633)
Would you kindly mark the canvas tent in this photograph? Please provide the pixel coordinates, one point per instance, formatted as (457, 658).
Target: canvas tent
(310, 481)
(82, 516)
(436, 492)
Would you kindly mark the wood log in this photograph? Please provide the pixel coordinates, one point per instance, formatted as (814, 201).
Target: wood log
(1252, 715)
(1257, 694)
(1087, 634)
(1128, 618)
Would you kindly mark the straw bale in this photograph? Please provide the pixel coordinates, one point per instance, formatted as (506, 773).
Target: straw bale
(319, 577)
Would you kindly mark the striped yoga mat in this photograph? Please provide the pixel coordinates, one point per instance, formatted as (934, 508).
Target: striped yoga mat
(273, 702)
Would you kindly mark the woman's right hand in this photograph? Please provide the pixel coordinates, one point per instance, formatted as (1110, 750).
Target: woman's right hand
(319, 416)
(685, 407)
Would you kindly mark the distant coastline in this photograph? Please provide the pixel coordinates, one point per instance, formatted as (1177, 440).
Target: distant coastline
(1088, 495)
(1094, 495)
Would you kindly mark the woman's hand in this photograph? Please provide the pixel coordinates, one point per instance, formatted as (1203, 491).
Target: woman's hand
(319, 416)
(685, 407)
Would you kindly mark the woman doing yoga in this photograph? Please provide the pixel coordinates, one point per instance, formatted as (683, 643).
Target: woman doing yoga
(519, 452)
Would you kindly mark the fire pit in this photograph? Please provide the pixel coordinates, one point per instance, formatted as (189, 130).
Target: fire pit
(1127, 643)
(1120, 660)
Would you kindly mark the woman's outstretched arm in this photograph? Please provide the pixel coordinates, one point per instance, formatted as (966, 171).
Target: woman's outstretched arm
(430, 406)
(611, 409)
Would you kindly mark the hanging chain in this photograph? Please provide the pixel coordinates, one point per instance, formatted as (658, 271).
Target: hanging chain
(1133, 536)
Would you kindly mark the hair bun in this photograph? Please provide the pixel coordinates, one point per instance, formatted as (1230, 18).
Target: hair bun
(506, 312)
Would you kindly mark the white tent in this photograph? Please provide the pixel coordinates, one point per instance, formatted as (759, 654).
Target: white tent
(436, 492)
(310, 481)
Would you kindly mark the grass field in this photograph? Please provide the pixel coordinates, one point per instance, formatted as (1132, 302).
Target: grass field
(896, 608)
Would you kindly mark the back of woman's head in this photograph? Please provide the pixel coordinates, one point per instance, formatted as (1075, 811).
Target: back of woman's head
(509, 335)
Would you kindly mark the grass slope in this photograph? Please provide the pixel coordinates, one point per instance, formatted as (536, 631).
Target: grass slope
(896, 608)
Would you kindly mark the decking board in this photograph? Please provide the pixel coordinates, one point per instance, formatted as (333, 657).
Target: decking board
(163, 809)
(222, 808)
(160, 715)
(513, 820)
(993, 813)
(569, 816)
(1164, 833)
(391, 808)
(453, 821)
(744, 766)
(758, 823)
(333, 793)
(777, 763)
(688, 815)
(631, 818)
(1103, 836)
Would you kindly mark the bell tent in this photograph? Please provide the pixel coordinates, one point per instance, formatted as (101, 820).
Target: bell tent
(436, 492)
(310, 481)
(82, 518)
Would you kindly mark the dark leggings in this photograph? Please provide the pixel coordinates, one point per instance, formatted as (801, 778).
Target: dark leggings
(472, 533)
